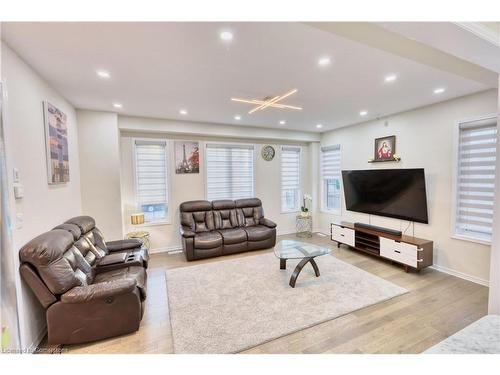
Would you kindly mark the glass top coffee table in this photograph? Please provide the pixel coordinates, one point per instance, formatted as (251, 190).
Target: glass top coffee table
(289, 249)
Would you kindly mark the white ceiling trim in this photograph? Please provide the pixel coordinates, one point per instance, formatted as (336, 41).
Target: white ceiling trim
(481, 31)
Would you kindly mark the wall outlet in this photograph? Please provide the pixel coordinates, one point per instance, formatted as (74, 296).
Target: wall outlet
(19, 221)
(18, 191)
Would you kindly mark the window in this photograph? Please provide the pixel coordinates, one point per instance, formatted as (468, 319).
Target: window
(290, 179)
(151, 179)
(230, 171)
(330, 179)
(475, 179)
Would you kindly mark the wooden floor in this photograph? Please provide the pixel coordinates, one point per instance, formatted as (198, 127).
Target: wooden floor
(436, 306)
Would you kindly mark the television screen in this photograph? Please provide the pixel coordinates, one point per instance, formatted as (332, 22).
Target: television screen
(396, 193)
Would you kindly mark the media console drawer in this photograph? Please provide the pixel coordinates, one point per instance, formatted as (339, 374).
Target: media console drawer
(399, 251)
(343, 235)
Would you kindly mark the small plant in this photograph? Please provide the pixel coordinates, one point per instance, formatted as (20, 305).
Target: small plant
(306, 198)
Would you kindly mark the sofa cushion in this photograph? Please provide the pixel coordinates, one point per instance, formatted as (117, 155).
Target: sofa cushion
(249, 211)
(259, 233)
(85, 223)
(207, 240)
(232, 236)
(135, 273)
(225, 215)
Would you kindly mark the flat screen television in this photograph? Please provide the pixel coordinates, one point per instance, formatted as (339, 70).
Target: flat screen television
(396, 193)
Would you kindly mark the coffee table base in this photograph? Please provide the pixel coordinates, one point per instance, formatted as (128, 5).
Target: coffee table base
(299, 267)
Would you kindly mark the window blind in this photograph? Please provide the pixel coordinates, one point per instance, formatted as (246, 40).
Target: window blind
(290, 178)
(330, 175)
(151, 177)
(476, 179)
(230, 171)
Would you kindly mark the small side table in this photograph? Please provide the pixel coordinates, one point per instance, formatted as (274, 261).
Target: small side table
(142, 235)
(303, 226)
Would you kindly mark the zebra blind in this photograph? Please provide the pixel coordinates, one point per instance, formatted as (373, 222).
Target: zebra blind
(476, 179)
(290, 178)
(230, 171)
(151, 178)
(330, 178)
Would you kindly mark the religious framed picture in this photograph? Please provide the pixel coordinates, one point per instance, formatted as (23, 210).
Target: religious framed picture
(385, 148)
(56, 144)
(187, 157)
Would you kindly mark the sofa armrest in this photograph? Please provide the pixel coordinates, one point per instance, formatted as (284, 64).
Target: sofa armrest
(120, 245)
(82, 294)
(186, 232)
(268, 223)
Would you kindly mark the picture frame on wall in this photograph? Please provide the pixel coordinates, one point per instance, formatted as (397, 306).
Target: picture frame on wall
(56, 144)
(385, 148)
(187, 157)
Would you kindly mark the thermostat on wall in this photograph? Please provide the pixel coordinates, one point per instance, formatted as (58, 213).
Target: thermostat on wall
(18, 191)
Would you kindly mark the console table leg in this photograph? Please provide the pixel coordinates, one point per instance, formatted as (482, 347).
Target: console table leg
(282, 264)
(338, 245)
(406, 269)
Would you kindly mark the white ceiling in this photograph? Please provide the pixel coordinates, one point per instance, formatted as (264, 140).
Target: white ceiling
(158, 68)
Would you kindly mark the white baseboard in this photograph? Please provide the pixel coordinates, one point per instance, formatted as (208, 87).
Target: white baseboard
(38, 339)
(165, 249)
(461, 275)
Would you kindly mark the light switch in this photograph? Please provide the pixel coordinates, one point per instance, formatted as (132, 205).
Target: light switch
(15, 174)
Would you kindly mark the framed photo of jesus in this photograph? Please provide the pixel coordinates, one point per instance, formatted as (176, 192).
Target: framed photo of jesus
(385, 148)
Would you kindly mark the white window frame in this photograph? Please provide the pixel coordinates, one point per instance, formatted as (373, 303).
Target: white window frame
(322, 192)
(168, 177)
(299, 193)
(205, 166)
(455, 175)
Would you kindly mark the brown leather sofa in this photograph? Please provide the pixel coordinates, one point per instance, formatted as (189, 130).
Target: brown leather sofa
(84, 300)
(222, 227)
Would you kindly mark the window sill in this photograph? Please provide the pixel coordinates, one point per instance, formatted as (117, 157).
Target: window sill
(290, 212)
(153, 224)
(464, 237)
(331, 212)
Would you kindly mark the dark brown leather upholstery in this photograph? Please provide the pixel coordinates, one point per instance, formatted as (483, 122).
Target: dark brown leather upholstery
(84, 301)
(137, 254)
(224, 227)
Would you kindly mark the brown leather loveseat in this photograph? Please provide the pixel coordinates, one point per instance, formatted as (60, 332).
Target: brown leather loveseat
(222, 227)
(84, 299)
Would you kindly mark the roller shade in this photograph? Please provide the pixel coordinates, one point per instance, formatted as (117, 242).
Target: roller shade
(290, 178)
(230, 171)
(476, 179)
(151, 172)
(330, 162)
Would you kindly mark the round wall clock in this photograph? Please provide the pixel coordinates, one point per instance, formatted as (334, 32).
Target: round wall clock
(268, 153)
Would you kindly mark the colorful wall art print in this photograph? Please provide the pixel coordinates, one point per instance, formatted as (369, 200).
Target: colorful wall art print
(187, 157)
(56, 134)
(385, 148)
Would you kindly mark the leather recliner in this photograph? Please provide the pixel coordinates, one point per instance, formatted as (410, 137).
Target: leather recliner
(83, 301)
(222, 227)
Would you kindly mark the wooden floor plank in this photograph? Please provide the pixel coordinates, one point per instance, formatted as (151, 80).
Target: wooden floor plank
(436, 306)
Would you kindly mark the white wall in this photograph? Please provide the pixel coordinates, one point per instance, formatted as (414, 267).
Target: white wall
(424, 139)
(99, 142)
(192, 186)
(43, 206)
(494, 297)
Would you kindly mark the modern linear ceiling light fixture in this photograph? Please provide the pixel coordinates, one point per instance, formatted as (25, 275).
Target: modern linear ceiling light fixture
(269, 101)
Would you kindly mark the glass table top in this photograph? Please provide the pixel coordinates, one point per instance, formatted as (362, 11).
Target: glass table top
(290, 249)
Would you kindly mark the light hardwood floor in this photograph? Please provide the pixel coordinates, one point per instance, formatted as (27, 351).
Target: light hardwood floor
(436, 306)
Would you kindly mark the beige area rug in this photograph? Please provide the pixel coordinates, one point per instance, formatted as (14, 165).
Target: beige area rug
(232, 305)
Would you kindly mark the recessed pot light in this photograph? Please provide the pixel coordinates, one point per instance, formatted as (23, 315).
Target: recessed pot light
(226, 36)
(183, 112)
(363, 113)
(390, 78)
(324, 61)
(282, 122)
(319, 126)
(237, 117)
(104, 74)
(117, 105)
(439, 90)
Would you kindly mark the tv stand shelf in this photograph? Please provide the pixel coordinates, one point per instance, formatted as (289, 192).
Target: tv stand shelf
(412, 252)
